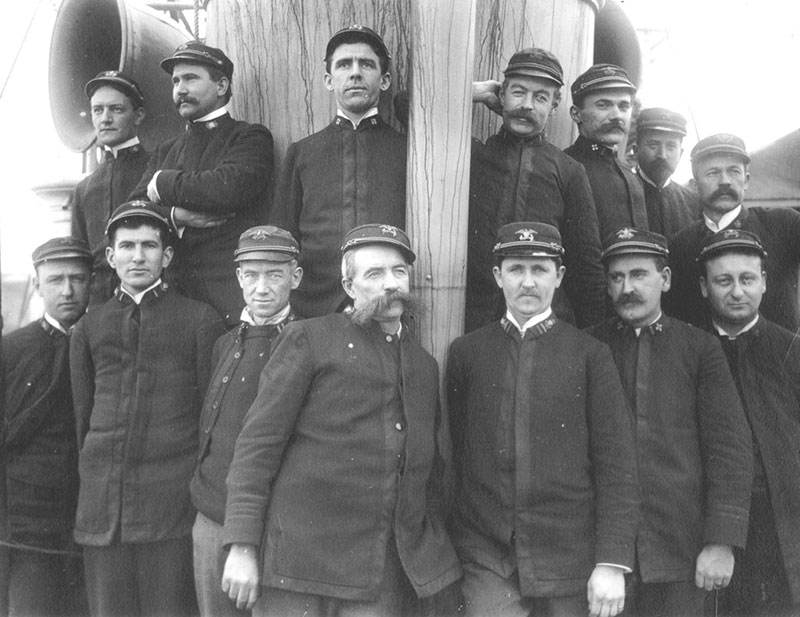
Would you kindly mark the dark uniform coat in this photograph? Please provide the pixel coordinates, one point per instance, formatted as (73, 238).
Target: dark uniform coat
(693, 444)
(93, 201)
(544, 461)
(139, 373)
(766, 364)
(40, 451)
(315, 481)
(514, 179)
(332, 181)
(670, 208)
(238, 358)
(779, 231)
(618, 195)
(215, 167)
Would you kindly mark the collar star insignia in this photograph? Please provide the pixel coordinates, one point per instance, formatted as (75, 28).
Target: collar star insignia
(625, 234)
(526, 235)
(388, 230)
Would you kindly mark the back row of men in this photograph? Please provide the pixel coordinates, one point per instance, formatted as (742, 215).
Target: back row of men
(335, 482)
(215, 180)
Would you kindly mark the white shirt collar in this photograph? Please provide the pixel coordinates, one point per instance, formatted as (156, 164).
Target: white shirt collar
(725, 220)
(213, 114)
(247, 316)
(53, 322)
(722, 332)
(536, 319)
(372, 112)
(137, 299)
(125, 144)
(647, 179)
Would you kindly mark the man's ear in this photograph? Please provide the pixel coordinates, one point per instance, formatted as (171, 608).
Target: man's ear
(703, 287)
(347, 285)
(575, 114)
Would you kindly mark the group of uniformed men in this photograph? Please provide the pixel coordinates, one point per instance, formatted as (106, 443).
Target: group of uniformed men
(232, 457)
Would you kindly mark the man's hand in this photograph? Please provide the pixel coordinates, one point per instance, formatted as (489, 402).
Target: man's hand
(240, 577)
(189, 218)
(714, 567)
(606, 591)
(487, 92)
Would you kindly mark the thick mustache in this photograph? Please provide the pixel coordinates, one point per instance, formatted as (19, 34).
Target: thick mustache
(629, 298)
(614, 125)
(186, 99)
(723, 192)
(522, 114)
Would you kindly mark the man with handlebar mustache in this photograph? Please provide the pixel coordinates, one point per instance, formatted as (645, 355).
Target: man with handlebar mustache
(693, 446)
(720, 168)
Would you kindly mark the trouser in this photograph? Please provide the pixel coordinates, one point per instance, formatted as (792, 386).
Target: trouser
(44, 585)
(487, 594)
(209, 562)
(678, 599)
(148, 579)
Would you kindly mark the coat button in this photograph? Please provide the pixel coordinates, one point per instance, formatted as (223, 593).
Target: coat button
(398, 426)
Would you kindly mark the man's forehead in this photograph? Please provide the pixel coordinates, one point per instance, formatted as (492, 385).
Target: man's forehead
(191, 68)
(735, 261)
(354, 50)
(378, 255)
(109, 95)
(64, 266)
(528, 261)
(630, 262)
(608, 94)
(719, 160)
(660, 136)
(530, 83)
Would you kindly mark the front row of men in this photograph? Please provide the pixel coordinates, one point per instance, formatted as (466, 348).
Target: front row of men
(568, 474)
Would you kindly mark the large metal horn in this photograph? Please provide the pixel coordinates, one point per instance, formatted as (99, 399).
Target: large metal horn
(616, 42)
(90, 36)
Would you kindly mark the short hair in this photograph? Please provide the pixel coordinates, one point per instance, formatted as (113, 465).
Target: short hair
(355, 37)
(556, 94)
(135, 222)
(733, 250)
(497, 260)
(348, 267)
(216, 74)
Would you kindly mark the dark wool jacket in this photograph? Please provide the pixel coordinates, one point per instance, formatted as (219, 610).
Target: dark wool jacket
(670, 208)
(216, 167)
(694, 453)
(514, 179)
(39, 449)
(779, 231)
(550, 410)
(93, 201)
(238, 358)
(332, 181)
(765, 362)
(313, 479)
(618, 194)
(138, 377)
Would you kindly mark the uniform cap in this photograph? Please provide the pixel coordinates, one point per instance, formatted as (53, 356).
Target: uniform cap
(528, 239)
(138, 208)
(722, 143)
(356, 32)
(601, 77)
(374, 233)
(731, 239)
(630, 241)
(197, 53)
(67, 247)
(660, 119)
(119, 81)
(266, 243)
(536, 62)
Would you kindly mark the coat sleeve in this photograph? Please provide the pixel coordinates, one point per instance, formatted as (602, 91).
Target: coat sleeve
(289, 195)
(727, 450)
(585, 280)
(82, 376)
(266, 429)
(613, 459)
(211, 329)
(456, 386)
(240, 179)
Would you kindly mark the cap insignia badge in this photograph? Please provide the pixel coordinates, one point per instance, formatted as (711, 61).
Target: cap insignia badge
(625, 234)
(259, 234)
(609, 71)
(526, 235)
(731, 233)
(388, 230)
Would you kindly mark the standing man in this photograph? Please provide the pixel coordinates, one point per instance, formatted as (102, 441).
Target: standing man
(350, 173)
(39, 449)
(215, 179)
(140, 365)
(335, 491)
(720, 167)
(518, 175)
(765, 361)
(658, 150)
(692, 440)
(602, 102)
(117, 108)
(267, 271)
(546, 500)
